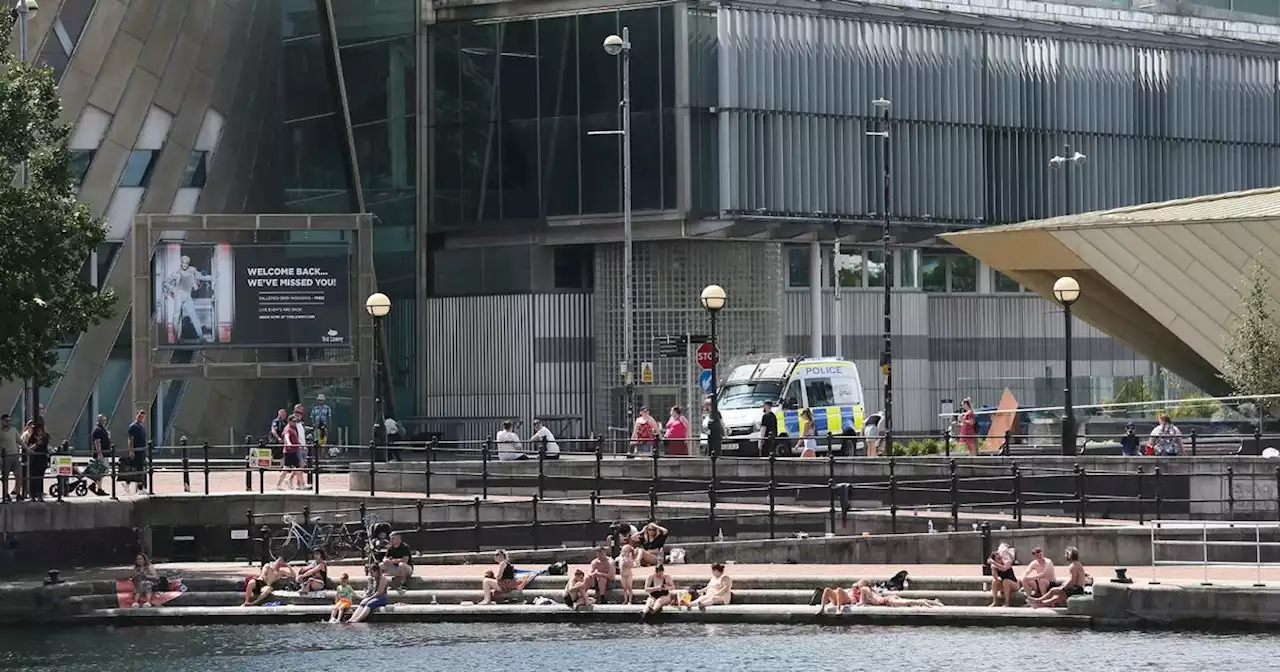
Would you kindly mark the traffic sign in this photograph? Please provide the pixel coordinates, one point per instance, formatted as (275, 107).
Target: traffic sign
(670, 346)
(646, 372)
(707, 355)
(704, 381)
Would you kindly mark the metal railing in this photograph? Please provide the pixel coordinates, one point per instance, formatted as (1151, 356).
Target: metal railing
(1251, 531)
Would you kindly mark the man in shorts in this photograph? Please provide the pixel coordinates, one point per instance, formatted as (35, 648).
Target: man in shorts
(11, 465)
(398, 564)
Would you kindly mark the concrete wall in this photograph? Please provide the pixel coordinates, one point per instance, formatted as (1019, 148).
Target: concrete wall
(1203, 606)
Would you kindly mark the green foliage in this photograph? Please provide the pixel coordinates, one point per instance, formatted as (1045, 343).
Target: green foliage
(46, 235)
(1251, 359)
(917, 448)
(1195, 409)
(1133, 390)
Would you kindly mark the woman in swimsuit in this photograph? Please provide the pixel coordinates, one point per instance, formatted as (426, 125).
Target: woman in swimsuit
(871, 598)
(1003, 580)
(661, 589)
(375, 597)
(837, 598)
(315, 576)
(653, 538)
(503, 580)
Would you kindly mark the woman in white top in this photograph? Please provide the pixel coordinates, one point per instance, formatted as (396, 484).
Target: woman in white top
(719, 590)
(540, 433)
(807, 439)
(1166, 438)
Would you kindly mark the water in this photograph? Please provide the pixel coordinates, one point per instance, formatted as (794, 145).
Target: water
(600, 648)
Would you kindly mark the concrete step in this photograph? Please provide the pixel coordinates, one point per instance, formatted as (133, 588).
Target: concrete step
(760, 613)
(748, 596)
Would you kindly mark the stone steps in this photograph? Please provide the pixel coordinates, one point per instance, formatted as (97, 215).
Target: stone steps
(750, 613)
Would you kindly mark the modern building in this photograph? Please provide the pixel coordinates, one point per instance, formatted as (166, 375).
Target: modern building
(465, 127)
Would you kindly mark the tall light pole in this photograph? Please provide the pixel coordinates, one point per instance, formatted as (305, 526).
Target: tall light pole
(621, 46)
(713, 299)
(882, 106)
(1067, 291)
(378, 305)
(23, 10)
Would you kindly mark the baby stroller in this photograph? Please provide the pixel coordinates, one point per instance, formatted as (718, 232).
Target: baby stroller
(86, 478)
(379, 542)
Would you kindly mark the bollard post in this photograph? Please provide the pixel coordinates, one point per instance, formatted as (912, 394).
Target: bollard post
(711, 510)
(1231, 493)
(1193, 443)
(946, 443)
(315, 455)
(534, 500)
(151, 468)
(985, 530)
(1142, 503)
(831, 507)
(1157, 493)
(484, 468)
(542, 468)
(892, 493)
(204, 449)
(186, 466)
(955, 496)
(476, 506)
(421, 503)
(595, 501)
(431, 449)
(1017, 496)
(653, 504)
(599, 443)
(773, 503)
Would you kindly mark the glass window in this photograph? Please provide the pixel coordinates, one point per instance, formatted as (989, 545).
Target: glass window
(646, 161)
(964, 273)
(875, 269)
(600, 78)
(53, 56)
(74, 15)
(849, 267)
(933, 273)
(908, 266)
(819, 392)
(573, 266)
(306, 87)
(517, 56)
(797, 267)
(792, 398)
(445, 58)
(1003, 283)
(558, 66)
(520, 170)
(79, 164)
(602, 163)
(315, 173)
(197, 170)
(380, 80)
(137, 171)
(560, 138)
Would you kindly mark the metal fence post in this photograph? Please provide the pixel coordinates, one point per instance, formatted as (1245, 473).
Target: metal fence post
(595, 501)
(536, 527)
(831, 458)
(955, 496)
(985, 530)
(773, 502)
(316, 465)
(475, 504)
(248, 554)
(4, 476)
(653, 503)
(262, 472)
(1231, 493)
(893, 497)
(1083, 503)
(420, 505)
(204, 449)
(186, 465)
(115, 476)
(711, 509)
(151, 467)
(484, 468)
(1017, 496)
(431, 449)
(373, 466)
(888, 443)
(1257, 439)
(1277, 493)
(946, 442)
(1142, 503)
(1007, 448)
(831, 510)
(773, 465)
(1193, 443)
(1157, 493)
(542, 467)
(715, 455)
(599, 445)
(306, 514)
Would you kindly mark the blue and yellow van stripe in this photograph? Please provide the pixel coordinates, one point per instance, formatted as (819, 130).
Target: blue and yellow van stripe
(827, 419)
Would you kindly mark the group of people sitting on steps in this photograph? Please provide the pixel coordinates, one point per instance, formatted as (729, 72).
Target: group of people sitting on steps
(1040, 584)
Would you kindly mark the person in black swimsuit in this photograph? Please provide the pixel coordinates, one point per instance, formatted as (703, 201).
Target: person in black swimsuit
(653, 539)
(315, 576)
(1003, 580)
(500, 581)
(661, 590)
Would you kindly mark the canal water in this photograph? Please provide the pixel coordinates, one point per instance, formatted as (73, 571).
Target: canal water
(606, 648)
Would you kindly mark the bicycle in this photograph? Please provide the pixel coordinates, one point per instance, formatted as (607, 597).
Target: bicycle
(337, 541)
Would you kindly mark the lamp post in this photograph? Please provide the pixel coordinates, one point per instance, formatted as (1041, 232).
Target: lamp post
(1067, 291)
(615, 45)
(882, 105)
(23, 10)
(378, 305)
(713, 299)
(1067, 160)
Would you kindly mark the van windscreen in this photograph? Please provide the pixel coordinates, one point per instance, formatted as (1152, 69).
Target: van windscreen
(749, 395)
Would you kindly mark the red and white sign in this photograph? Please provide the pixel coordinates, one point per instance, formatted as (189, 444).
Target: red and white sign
(707, 355)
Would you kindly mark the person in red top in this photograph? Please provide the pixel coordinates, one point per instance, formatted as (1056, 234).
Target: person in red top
(968, 426)
(292, 472)
(645, 433)
(677, 433)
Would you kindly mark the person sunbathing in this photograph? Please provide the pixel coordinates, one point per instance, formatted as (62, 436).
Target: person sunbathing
(869, 597)
(837, 598)
(1078, 579)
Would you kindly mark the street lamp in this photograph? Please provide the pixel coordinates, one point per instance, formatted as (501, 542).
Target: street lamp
(713, 299)
(23, 10)
(1067, 291)
(1067, 160)
(615, 45)
(882, 105)
(378, 305)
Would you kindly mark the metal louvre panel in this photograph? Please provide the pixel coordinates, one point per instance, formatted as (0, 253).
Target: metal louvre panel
(506, 356)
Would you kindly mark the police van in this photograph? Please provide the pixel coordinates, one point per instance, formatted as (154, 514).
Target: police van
(830, 387)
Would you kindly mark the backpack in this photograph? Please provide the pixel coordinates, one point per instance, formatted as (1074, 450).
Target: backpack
(895, 583)
(644, 432)
(558, 569)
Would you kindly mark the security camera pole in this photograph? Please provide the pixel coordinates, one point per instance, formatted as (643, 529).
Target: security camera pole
(882, 105)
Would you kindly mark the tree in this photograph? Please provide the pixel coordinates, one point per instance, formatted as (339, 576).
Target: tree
(1133, 390)
(1251, 349)
(46, 235)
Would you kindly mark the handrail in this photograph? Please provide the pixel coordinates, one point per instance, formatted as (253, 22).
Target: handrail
(1204, 526)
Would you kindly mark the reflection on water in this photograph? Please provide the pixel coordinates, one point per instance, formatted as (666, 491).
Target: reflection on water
(600, 648)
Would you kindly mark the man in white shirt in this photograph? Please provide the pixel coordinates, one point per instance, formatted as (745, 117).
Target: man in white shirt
(509, 443)
(540, 433)
(393, 435)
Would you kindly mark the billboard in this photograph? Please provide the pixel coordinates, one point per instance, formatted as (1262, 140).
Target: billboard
(252, 295)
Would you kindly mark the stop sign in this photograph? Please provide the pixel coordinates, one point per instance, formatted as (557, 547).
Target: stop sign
(706, 355)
